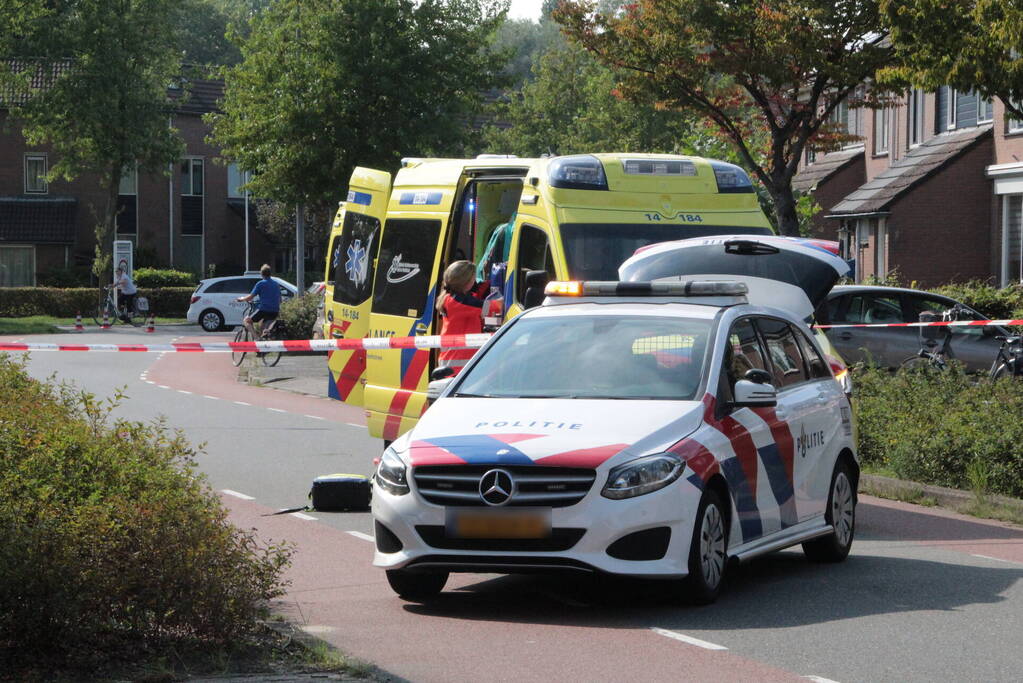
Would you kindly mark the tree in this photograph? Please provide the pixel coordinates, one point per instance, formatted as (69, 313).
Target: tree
(968, 44)
(325, 85)
(792, 62)
(101, 101)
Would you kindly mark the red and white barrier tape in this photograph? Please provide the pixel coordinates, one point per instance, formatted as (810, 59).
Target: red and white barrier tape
(940, 323)
(448, 341)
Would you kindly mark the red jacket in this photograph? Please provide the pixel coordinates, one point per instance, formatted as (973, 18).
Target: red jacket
(462, 314)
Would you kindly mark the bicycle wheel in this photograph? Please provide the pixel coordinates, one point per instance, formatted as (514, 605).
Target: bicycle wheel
(242, 335)
(105, 312)
(918, 363)
(135, 320)
(272, 358)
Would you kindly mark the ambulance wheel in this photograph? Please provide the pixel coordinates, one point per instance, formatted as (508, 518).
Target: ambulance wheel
(841, 515)
(416, 586)
(707, 551)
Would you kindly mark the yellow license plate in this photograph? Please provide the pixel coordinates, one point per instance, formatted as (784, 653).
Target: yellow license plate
(499, 524)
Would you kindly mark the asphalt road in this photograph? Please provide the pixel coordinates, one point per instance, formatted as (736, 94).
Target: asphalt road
(926, 595)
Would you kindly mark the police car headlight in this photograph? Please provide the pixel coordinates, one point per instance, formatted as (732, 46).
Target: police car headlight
(643, 475)
(391, 474)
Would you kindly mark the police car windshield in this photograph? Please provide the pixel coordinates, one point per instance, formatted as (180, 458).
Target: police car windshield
(593, 356)
(595, 250)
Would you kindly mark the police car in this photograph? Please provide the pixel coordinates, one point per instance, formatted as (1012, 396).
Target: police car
(658, 429)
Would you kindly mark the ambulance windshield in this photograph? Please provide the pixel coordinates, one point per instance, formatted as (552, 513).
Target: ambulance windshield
(595, 250)
(596, 356)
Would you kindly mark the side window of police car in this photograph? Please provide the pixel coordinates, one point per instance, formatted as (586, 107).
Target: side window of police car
(743, 353)
(534, 254)
(783, 350)
(815, 364)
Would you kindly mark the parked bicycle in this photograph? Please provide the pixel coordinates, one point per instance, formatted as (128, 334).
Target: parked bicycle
(1009, 361)
(109, 309)
(936, 342)
(274, 330)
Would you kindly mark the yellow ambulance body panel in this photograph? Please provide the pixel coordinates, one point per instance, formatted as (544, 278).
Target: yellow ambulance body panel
(576, 217)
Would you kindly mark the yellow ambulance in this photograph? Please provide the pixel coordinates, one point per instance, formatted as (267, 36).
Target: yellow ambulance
(559, 218)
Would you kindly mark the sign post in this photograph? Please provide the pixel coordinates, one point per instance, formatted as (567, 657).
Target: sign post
(123, 257)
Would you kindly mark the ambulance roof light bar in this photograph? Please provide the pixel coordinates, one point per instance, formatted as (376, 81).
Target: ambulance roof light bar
(640, 289)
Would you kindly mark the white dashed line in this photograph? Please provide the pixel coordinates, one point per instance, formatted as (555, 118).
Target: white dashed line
(212, 398)
(277, 410)
(316, 417)
(687, 639)
(303, 516)
(163, 386)
(352, 424)
(149, 381)
(182, 391)
(818, 679)
(236, 494)
(243, 403)
(996, 559)
(359, 534)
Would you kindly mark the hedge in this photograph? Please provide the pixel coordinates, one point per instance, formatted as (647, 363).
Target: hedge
(945, 428)
(113, 544)
(299, 315)
(19, 302)
(163, 277)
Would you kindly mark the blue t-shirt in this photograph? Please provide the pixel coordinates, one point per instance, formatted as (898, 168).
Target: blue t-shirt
(269, 293)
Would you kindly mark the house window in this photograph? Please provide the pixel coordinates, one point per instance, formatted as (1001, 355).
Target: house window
(881, 131)
(17, 266)
(951, 100)
(35, 174)
(129, 180)
(235, 179)
(811, 155)
(985, 110)
(1014, 125)
(191, 177)
(1012, 244)
(915, 117)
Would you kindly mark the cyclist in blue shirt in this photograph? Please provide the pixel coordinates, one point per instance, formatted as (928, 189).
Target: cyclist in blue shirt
(268, 304)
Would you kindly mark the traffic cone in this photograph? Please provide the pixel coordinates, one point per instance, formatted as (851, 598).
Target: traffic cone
(78, 322)
(106, 322)
(151, 325)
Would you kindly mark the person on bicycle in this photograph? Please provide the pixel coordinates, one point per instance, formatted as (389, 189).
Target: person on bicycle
(269, 305)
(126, 293)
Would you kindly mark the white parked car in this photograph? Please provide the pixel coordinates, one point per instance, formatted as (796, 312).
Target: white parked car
(214, 304)
(652, 429)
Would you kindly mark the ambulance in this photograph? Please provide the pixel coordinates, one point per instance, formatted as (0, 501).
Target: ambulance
(524, 222)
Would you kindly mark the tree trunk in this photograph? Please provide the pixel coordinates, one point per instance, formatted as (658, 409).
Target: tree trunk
(785, 210)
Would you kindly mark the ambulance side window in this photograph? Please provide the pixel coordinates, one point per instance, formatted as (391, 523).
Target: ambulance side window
(352, 259)
(405, 267)
(534, 254)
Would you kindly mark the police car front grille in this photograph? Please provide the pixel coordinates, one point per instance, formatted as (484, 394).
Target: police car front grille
(458, 485)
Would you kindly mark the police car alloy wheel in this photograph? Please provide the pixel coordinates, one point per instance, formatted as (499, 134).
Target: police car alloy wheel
(707, 559)
(841, 515)
(416, 586)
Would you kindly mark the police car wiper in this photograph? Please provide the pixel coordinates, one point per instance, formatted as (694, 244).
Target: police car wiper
(465, 395)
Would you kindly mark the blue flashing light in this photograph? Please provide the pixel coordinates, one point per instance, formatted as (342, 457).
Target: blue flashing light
(582, 172)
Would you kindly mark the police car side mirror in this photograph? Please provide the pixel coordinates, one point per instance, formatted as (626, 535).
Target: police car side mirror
(757, 376)
(754, 395)
(435, 388)
(536, 283)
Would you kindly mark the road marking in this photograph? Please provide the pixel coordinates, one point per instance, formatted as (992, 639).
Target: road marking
(243, 403)
(316, 417)
(277, 410)
(352, 424)
(303, 516)
(365, 537)
(212, 398)
(182, 391)
(149, 381)
(163, 386)
(996, 559)
(818, 679)
(687, 639)
(236, 494)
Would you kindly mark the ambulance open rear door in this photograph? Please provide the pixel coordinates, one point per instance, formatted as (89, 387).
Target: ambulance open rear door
(354, 269)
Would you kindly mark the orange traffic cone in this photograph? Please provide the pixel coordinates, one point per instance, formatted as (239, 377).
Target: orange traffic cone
(106, 322)
(151, 325)
(78, 322)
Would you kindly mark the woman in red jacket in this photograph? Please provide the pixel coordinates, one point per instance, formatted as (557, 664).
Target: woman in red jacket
(461, 309)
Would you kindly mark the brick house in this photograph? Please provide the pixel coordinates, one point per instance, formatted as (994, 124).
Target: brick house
(189, 218)
(933, 189)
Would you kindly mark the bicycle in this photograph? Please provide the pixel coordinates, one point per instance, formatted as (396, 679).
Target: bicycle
(1009, 361)
(931, 353)
(108, 308)
(274, 330)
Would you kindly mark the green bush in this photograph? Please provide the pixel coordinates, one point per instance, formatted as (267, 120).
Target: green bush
(994, 302)
(156, 277)
(75, 276)
(19, 302)
(942, 428)
(299, 315)
(112, 543)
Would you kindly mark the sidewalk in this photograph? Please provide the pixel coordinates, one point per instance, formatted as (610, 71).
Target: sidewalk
(298, 373)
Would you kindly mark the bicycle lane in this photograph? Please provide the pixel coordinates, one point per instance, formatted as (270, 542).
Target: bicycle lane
(214, 376)
(474, 631)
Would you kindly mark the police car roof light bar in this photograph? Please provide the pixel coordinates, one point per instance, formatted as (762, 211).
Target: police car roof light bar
(639, 289)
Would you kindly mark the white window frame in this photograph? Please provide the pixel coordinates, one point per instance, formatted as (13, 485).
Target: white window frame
(950, 108)
(982, 104)
(882, 132)
(1007, 277)
(915, 117)
(1014, 126)
(129, 180)
(37, 156)
(191, 177)
(235, 179)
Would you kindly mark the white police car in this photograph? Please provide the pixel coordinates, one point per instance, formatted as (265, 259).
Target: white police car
(650, 429)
